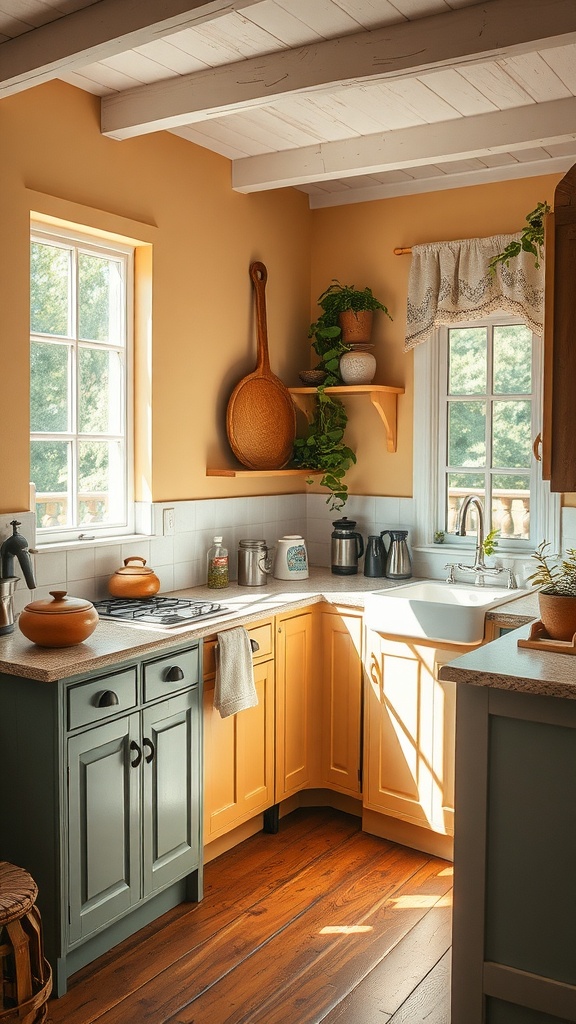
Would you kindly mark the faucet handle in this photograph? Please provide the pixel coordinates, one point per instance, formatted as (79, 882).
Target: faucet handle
(450, 578)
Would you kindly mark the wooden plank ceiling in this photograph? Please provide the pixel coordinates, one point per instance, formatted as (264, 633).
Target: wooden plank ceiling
(348, 100)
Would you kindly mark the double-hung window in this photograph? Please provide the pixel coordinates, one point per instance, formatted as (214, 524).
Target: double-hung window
(478, 409)
(80, 369)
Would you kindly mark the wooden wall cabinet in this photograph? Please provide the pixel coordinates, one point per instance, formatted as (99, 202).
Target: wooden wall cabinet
(239, 750)
(559, 422)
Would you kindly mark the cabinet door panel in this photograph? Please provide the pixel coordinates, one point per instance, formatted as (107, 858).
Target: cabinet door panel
(104, 838)
(239, 758)
(297, 697)
(399, 730)
(171, 806)
(341, 701)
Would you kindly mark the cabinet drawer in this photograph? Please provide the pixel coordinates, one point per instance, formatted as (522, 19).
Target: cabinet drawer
(98, 699)
(262, 633)
(172, 673)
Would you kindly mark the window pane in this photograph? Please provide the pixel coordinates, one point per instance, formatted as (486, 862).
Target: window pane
(467, 361)
(100, 392)
(467, 433)
(49, 468)
(511, 434)
(512, 360)
(101, 481)
(50, 277)
(49, 388)
(99, 299)
(511, 506)
(459, 485)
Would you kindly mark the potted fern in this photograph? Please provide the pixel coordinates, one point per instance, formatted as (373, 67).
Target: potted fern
(557, 596)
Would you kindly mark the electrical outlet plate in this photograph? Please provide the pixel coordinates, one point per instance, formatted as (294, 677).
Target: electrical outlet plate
(168, 522)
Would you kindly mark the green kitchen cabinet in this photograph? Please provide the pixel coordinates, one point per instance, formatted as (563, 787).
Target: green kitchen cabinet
(102, 799)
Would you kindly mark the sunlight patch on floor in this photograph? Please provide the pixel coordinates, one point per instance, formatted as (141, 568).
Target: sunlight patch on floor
(415, 902)
(345, 929)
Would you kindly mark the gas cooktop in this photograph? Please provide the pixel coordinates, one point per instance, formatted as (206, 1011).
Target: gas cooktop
(163, 612)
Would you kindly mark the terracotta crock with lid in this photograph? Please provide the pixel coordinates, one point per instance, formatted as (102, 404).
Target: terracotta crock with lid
(62, 622)
(134, 580)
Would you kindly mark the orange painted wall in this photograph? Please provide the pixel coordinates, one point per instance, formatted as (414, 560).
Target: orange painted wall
(355, 244)
(178, 197)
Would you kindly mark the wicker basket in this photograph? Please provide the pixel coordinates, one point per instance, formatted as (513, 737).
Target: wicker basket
(312, 377)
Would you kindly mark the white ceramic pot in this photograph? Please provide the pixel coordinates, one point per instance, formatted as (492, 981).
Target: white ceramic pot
(357, 367)
(291, 560)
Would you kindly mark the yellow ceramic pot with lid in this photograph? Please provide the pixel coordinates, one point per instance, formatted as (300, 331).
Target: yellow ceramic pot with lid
(134, 579)
(62, 622)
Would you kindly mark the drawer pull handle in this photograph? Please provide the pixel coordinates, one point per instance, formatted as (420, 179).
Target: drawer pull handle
(107, 699)
(174, 674)
(134, 746)
(148, 743)
(254, 645)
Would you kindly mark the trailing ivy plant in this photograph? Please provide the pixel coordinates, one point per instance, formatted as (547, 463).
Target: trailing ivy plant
(531, 240)
(323, 448)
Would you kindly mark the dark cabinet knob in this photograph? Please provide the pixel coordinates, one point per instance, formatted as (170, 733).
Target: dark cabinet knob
(107, 699)
(254, 645)
(174, 674)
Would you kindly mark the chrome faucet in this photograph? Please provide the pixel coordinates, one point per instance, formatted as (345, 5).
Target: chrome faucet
(16, 546)
(479, 568)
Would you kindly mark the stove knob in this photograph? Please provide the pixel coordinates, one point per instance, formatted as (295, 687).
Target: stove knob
(174, 674)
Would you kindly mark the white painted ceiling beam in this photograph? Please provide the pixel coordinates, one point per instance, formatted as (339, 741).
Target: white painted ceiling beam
(492, 30)
(99, 31)
(504, 131)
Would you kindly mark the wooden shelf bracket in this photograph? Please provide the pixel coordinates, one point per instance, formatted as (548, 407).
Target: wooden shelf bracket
(384, 399)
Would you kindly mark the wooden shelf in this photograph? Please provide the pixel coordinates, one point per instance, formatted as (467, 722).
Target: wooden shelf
(263, 472)
(383, 398)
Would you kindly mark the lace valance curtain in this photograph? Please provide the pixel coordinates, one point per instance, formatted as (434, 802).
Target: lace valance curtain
(451, 281)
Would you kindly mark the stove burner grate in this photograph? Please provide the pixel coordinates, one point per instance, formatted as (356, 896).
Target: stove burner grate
(163, 611)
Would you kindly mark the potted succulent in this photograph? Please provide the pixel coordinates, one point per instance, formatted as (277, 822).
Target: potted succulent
(557, 596)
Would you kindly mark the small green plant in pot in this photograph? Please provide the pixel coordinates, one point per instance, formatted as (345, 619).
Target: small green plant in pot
(556, 578)
(330, 342)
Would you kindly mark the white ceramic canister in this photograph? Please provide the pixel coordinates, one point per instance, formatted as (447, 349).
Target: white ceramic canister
(291, 561)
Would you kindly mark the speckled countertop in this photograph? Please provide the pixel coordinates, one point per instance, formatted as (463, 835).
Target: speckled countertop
(112, 642)
(505, 666)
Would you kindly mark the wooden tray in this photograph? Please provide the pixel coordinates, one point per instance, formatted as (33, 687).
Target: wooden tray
(538, 640)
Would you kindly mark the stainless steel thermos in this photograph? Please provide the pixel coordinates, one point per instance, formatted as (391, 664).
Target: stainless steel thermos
(347, 547)
(254, 563)
(398, 561)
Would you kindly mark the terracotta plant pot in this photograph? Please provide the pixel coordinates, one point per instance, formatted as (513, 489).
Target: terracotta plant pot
(137, 580)
(62, 622)
(558, 615)
(356, 327)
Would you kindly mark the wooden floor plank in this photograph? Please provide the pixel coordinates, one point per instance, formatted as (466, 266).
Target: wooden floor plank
(285, 960)
(342, 967)
(321, 922)
(233, 883)
(400, 971)
(429, 1003)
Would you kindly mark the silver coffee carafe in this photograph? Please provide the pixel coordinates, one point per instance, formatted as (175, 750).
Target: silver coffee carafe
(347, 547)
(398, 561)
(254, 563)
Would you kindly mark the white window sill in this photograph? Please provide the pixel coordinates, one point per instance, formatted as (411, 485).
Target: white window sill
(68, 545)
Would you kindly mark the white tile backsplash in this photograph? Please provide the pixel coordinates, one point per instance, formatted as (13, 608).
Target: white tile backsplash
(180, 560)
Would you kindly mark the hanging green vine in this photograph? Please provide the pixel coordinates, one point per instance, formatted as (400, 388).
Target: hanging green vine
(531, 240)
(323, 448)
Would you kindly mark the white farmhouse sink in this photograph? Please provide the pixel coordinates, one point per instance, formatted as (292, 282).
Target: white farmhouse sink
(446, 612)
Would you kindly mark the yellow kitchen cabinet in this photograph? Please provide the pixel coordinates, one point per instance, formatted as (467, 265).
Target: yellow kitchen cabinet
(298, 702)
(341, 674)
(409, 732)
(239, 750)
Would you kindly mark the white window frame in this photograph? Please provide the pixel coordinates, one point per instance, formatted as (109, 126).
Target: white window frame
(430, 375)
(84, 241)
